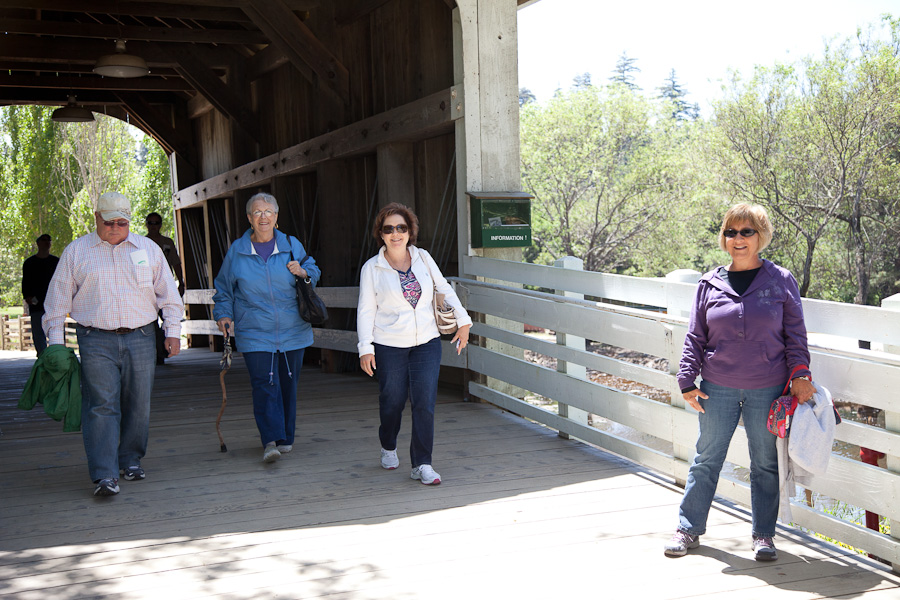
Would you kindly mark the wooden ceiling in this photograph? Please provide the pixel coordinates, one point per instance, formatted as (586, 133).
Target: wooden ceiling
(195, 50)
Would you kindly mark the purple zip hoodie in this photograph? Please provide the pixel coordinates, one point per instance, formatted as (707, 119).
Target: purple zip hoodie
(745, 342)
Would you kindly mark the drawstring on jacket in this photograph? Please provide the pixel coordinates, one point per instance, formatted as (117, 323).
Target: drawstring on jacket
(272, 368)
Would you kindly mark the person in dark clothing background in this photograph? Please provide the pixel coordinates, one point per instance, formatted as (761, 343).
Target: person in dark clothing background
(37, 271)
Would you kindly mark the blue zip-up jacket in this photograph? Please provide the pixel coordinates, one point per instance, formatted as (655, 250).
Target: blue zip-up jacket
(260, 297)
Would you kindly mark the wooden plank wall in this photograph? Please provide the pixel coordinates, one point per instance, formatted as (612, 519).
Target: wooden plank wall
(399, 52)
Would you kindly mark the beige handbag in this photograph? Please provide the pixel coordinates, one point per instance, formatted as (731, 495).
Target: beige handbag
(443, 315)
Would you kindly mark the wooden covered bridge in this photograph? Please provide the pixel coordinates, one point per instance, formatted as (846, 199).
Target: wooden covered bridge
(338, 107)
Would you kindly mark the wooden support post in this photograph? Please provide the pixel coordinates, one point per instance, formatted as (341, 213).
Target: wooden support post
(892, 420)
(566, 339)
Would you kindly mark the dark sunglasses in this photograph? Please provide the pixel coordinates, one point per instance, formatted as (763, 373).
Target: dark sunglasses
(389, 229)
(154, 222)
(121, 223)
(747, 232)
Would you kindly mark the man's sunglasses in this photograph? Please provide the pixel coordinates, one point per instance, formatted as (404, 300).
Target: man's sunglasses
(154, 222)
(389, 229)
(746, 232)
(120, 223)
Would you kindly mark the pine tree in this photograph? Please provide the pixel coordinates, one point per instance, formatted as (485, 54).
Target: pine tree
(672, 91)
(624, 72)
(581, 82)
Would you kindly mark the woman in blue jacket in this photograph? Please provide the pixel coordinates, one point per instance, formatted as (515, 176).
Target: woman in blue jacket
(256, 301)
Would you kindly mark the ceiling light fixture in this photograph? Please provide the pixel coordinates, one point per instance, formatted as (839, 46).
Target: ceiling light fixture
(120, 64)
(71, 113)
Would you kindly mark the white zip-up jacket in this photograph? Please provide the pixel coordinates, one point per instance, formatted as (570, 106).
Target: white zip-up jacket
(385, 317)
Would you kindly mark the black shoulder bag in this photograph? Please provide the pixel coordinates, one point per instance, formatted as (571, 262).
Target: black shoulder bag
(310, 306)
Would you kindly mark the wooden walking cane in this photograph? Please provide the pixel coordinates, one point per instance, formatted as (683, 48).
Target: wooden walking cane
(225, 364)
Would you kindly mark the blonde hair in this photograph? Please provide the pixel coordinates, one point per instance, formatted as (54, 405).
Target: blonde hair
(758, 218)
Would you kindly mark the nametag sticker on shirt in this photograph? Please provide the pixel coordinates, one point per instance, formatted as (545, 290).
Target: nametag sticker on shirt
(140, 258)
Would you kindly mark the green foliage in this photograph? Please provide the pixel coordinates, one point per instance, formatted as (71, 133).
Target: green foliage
(636, 185)
(52, 173)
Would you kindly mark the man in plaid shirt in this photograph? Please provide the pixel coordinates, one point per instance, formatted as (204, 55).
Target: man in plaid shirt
(113, 283)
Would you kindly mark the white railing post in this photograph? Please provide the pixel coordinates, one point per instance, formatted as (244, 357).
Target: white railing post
(892, 419)
(675, 306)
(565, 339)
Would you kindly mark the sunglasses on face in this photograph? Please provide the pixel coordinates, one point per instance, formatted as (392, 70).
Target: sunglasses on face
(154, 222)
(119, 223)
(389, 229)
(746, 232)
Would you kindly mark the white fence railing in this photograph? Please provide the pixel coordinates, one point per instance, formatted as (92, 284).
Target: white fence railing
(657, 327)
(864, 377)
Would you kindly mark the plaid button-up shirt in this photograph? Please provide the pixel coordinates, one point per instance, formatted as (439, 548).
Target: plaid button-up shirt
(108, 287)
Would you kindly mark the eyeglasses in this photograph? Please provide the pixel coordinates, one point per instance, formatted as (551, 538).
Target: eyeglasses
(259, 213)
(746, 232)
(154, 222)
(389, 229)
(119, 223)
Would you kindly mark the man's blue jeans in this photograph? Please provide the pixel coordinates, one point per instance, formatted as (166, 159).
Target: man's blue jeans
(408, 373)
(274, 377)
(116, 383)
(37, 329)
(724, 408)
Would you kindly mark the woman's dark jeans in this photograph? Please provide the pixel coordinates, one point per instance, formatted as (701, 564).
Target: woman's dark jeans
(408, 373)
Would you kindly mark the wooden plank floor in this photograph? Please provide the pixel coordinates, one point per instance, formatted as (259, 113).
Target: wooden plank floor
(521, 513)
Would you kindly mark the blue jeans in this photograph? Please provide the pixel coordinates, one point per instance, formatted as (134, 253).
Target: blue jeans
(408, 373)
(37, 329)
(724, 408)
(116, 382)
(274, 377)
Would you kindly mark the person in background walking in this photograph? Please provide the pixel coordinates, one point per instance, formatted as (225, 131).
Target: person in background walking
(397, 331)
(746, 339)
(153, 221)
(37, 271)
(113, 282)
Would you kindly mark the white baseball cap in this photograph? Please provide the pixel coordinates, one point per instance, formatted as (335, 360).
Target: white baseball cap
(113, 205)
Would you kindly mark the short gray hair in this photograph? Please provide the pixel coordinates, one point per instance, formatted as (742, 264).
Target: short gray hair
(267, 198)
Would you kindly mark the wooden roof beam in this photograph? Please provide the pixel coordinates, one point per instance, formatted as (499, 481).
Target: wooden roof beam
(133, 9)
(80, 68)
(308, 55)
(220, 95)
(144, 84)
(417, 120)
(353, 10)
(127, 32)
(158, 126)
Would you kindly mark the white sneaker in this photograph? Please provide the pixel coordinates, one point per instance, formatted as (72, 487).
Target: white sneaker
(284, 448)
(271, 454)
(426, 475)
(389, 459)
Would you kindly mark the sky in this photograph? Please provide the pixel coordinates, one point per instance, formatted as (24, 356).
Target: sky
(700, 39)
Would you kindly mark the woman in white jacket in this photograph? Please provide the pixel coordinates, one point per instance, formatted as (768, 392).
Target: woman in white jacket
(397, 330)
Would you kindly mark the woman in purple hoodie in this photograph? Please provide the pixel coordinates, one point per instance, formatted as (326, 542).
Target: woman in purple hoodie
(746, 338)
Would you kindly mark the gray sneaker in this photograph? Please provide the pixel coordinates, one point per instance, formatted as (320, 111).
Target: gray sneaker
(764, 549)
(680, 543)
(271, 454)
(389, 459)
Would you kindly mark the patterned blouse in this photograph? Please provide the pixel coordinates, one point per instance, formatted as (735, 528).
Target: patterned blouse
(412, 291)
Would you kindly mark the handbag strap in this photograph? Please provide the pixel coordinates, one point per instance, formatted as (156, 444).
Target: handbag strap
(305, 256)
(791, 378)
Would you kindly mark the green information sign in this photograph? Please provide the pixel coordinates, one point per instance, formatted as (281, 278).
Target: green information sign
(500, 219)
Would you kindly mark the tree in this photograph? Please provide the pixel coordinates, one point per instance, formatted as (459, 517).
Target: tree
(580, 82)
(672, 91)
(526, 96)
(816, 146)
(623, 73)
(597, 162)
